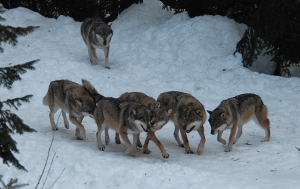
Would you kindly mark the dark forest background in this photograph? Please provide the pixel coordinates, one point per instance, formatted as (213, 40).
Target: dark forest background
(273, 25)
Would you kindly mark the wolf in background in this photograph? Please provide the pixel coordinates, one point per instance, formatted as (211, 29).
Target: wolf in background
(125, 118)
(96, 35)
(234, 112)
(160, 116)
(188, 114)
(77, 100)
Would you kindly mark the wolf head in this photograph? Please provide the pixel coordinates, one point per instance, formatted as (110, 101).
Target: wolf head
(219, 120)
(104, 34)
(140, 117)
(160, 116)
(85, 106)
(193, 117)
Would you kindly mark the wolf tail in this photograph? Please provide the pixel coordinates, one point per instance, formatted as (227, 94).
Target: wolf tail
(46, 99)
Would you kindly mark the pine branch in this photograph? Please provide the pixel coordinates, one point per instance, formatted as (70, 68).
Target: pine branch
(9, 34)
(8, 75)
(16, 102)
(11, 184)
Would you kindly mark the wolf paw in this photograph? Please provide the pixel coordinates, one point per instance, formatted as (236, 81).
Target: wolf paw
(101, 148)
(107, 140)
(67, 126)
(181, 145)
(108, 67)
(128, 150)
(139, 145)
(199, 152)
(166, 155)
(189, 151)
(118, 141)
(146, 151)
(265, 140)
(228, 149)
(222, 141)
(55, 129)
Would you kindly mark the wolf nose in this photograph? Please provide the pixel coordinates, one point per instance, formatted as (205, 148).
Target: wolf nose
(212, 132)
(184, 127)
(152, 123)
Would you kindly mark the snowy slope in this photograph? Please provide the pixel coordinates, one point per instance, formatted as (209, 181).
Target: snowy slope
(152, 51)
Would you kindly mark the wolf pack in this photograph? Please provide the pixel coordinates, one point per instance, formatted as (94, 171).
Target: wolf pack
(135, 112)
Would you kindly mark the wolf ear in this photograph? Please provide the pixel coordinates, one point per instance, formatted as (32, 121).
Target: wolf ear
(169, 112)
(79, 103)
(133, 111)
(210, 112)
(157, 105)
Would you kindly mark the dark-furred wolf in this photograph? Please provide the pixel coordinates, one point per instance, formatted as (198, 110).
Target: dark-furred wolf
(160, 116)
(96, 35)
(77, 100)
(234, 112)
(188, 114)
(125, 118)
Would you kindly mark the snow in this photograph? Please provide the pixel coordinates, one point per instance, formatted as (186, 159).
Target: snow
(152, 51)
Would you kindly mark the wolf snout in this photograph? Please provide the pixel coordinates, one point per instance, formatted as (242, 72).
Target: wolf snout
(184, 127)
(212, 132)
(152, 123)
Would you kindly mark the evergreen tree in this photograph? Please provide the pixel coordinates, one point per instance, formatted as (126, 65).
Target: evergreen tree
(10, 123)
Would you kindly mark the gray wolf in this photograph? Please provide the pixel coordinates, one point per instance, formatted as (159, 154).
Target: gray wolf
(188, 114)
(234, 112)
(96, 35)
(160, 116)
(124, 118)
(77, 100)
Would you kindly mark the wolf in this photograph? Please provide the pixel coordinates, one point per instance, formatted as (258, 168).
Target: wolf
(188, 114)
(96, 35)
(234, 112)
(160, 116)
(125, 118)
(77, 100)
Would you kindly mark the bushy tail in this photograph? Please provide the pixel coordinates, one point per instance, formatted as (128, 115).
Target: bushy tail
(46, 99)
(93, 92)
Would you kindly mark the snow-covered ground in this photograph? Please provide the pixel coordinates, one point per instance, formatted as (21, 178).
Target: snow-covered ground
(152, 51)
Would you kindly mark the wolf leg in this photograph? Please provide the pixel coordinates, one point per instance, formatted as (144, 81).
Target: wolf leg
(220, 138)
(135, 140)
(117, 138)
(74, 120)
(202, 142)
(152, 136)
(106, 54)
(53, 109)
(93, 55)
(63, 113)
(106, 136)
(263, 121)
(145, 147)
(185, 141)
(139, 144)
(127, 142)
(231, 138)
(176, 135)
(239, 134)
(101, 127)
